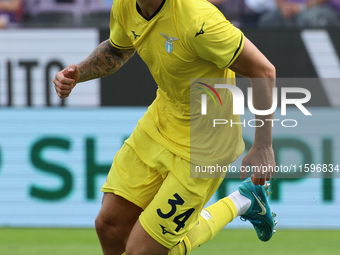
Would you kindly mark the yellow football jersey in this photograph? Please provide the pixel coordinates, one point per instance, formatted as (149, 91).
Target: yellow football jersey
(184, 39)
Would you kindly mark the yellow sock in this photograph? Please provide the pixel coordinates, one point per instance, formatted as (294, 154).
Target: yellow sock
(211, 221)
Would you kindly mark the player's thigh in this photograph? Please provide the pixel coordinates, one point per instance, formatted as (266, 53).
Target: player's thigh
(129, 188)
(175, 209)
(130, 177)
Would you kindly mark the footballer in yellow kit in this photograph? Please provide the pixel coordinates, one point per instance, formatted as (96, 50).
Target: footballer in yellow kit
(152, 169)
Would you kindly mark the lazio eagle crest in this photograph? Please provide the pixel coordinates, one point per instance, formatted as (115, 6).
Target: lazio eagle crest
(168, 43)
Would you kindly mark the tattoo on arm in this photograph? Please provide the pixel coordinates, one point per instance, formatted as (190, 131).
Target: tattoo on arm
(103, 61)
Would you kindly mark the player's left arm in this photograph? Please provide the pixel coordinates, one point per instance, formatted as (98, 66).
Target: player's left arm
(253, 64)
(104, 60)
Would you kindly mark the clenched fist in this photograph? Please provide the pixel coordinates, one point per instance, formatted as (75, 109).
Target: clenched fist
(66, 80)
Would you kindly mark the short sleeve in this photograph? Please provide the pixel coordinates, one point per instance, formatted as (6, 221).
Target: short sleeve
(118, 36)
(215, 39)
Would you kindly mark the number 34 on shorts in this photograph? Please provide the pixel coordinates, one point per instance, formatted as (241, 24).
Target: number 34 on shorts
(172, 210)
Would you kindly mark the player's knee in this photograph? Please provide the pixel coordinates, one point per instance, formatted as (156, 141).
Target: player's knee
(112, 230)
(101, 226)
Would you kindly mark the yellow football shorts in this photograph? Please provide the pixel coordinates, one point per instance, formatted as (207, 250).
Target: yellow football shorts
(153, 178)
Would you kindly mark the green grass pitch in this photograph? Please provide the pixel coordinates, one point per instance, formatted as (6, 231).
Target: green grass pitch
(40, 241)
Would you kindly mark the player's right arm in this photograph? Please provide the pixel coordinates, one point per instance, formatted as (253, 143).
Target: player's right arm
(253, 64)
(104, 60)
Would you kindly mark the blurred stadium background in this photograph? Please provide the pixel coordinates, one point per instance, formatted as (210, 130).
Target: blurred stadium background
(55, 154)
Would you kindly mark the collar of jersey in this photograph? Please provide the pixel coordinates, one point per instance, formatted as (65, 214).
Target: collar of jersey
(154, 14)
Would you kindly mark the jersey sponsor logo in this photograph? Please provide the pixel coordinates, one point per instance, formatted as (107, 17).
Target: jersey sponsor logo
(168, 43)
(164, 231)
(134, 34)
(201, 32)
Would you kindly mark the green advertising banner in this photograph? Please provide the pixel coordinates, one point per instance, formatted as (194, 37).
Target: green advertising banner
(54, 161)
